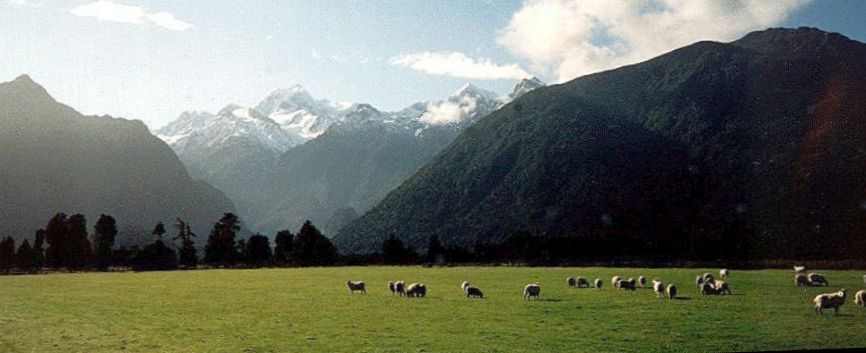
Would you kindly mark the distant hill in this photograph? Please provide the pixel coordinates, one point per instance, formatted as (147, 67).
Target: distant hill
(53, 159)
(754, 148)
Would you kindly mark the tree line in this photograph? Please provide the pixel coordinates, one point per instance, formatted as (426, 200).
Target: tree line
(65, 243)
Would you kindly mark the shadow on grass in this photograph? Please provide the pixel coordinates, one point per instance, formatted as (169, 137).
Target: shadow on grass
(682, 298)
(554, 300)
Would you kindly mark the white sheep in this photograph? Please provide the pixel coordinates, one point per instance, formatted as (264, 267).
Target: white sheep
(659, 288)
(722, 288)
(723, 273)
(708, 278)
(707, 289)
(416, 290)
(356, 286)
(818, 280)
(860, 298)
(672, 291)
(642, 281)
(571, 282)
(531, 290)
(829, 301)
(799, 269)
(614, 280)
(582, 282)
(473, 292)
(400, 287)
(598, 283)
(699, 281)
(628, 284)
(800, 280)
(464, 285)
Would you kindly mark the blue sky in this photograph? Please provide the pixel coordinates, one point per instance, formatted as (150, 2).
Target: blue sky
(151, 60)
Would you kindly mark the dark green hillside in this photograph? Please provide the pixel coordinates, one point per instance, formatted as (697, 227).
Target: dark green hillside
(706, 151)
(56, 160)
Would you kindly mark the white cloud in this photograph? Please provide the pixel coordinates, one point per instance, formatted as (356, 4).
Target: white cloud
(449, 112)
(459, 65)
(106, 10)
(27, 3)
(573, 38)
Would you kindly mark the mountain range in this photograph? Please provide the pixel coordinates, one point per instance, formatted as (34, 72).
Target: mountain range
(756, 144)
(56, 160)
(294, 158)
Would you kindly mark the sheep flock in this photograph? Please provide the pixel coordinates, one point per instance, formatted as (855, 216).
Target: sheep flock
(707, 285)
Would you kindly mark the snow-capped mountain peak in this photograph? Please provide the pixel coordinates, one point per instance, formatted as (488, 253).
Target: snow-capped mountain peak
(524, 87)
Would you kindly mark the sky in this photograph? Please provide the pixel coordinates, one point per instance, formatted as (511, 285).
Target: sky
(152, 60)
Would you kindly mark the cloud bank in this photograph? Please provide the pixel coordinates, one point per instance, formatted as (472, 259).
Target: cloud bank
(570, 38)
(106, 10)
(457, 64)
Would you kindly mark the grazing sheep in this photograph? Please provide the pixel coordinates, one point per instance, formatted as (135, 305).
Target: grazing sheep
(799, 269)
(614, 280)
(659, 288)
(400, 287)
(356, 286)
(464, 285)
(531, 290)
(818, 280)
(626, 284)
(860, 298)
(672, 291)
(708, 289)
(392, 288)
(598, 283)
(642, 281)
(699, 281)
(722, 288)
(800, 280)
(416, 290)
(582, 282)
(829, 301)
(708, 278)
(571, 282)
(723, 273)
(473, 292)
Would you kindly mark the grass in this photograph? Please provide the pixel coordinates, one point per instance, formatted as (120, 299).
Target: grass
(293, 310)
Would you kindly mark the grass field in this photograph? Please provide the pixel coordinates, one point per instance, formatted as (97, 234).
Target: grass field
(292, 310)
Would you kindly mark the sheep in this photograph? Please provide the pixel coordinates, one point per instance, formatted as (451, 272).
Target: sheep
(642, 281)
(699, 281)
(356, 286)
(473, 292)
(571, 282)
(829, 301)
(598, 283)
(860, 298)
(723, 273)
(531, 290)
(799, 269)
(816, 280)
(392, 288)
(708, 278)
(626, 284)
(707, 289)
(614, 280)
(722, 288)
(582, 282)
(672, 291)
(400, 288)
(416, 290)
(464, 285)
(800, 280)
(659, 288)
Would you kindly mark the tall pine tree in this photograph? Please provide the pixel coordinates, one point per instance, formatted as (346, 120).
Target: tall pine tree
(187, 254)
(220, 247)
(104, 233)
